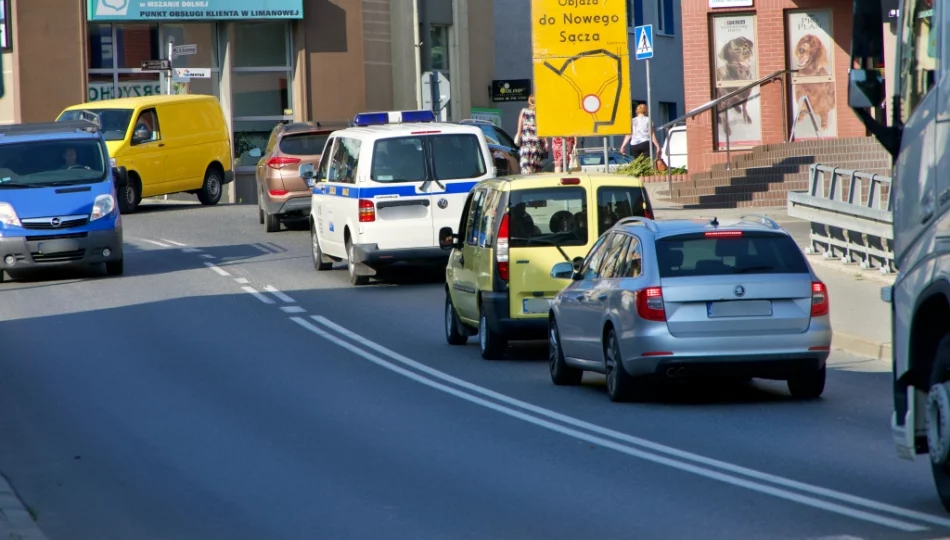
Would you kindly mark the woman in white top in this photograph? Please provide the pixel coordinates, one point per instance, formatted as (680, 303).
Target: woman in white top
(640, 136)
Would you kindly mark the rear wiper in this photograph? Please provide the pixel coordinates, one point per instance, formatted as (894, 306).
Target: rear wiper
(748, 269)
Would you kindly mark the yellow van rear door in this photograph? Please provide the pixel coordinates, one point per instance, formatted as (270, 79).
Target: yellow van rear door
(542, 220)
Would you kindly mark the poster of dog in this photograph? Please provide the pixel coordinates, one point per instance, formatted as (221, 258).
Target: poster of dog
(739, 122)
(811, 51)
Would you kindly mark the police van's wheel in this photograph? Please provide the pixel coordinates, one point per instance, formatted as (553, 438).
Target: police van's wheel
(321, 262)
(210, 192)
(491, 344)
(938, 421)
(355, 279)
(454, 333)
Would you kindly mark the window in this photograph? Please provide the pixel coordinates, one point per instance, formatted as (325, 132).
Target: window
(918, 62)
(751, 253)
(497, 136)
(146, 128)
(261, 83)
(632, 260)
(304, 144)
(45, 162)
(457, 156)
(547, 217)
(616, 203)
(323, 174)
(591, 267)
(463, 221)
(474, 218)
(614, 259)
(400, 159)
(345, 161)
(634, 13)
(439, 58)
(115, 122)
(667, 112)
(665, 17)
(487, 227)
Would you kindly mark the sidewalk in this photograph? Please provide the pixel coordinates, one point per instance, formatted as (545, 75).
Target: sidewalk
(16, 523)
(860, 319)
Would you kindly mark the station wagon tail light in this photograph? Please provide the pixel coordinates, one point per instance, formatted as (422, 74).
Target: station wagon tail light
(723, 234)
(367, 211)
(819, 299)
(650, 304)
(501, 248)
(279, 162)
(570, 181)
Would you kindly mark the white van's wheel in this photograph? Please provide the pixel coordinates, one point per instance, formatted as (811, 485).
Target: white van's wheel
(210, 192)
(938, 421)
(321, 262)
(351, 266)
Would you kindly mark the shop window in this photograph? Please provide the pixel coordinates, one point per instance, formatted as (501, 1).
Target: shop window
(200, 34)
(439, 50)
(136, 43)
(100, 46)
(261, 82)
(634, 13)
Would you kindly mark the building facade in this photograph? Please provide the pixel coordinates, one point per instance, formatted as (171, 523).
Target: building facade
(513, 59)
(732, 43)
(267, 61)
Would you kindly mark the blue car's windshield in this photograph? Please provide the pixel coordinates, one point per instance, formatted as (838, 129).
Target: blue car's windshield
(115, 122)
(46, 163)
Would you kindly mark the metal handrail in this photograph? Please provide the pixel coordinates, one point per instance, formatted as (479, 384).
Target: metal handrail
(712, 104)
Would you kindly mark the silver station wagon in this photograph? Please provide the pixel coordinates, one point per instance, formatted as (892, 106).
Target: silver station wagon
(691, 298)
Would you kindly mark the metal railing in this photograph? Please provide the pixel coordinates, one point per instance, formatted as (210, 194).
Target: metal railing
(715, 106)
(856, 222)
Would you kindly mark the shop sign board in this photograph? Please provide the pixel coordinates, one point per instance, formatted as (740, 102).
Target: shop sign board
(192, 10)
(126, 89)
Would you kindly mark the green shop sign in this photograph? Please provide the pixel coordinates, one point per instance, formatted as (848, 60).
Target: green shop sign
(191, 10)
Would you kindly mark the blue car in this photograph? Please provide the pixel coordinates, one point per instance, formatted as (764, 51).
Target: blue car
(58, 198)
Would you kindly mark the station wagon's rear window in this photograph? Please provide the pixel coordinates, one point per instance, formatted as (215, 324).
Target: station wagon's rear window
(547, 217)
(304, 144)
(750, 253)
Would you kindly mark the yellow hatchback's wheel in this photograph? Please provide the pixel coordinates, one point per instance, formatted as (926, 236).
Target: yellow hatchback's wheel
(454, 332)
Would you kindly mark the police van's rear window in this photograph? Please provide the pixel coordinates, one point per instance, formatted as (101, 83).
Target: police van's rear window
(403, 159)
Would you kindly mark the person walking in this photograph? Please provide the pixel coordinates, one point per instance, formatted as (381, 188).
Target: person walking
(531, 146)
(640, 135)
(560, 147)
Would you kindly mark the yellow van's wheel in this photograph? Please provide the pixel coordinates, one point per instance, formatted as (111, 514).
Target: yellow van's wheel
(130, 194)
(454, 333)
(210, 192)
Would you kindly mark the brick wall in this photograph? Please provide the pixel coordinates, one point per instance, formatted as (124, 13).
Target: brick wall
(771, 51)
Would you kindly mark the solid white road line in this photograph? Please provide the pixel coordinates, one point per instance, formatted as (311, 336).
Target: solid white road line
(191, 250)
(280, 295)
(217, 269)
(242, 280)
(206, 256)
(628, 449)
(257, 294)
(293, 309)
(174, 243)
(154, 242)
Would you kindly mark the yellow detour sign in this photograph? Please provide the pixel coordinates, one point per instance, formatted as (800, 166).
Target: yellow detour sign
(581, 67)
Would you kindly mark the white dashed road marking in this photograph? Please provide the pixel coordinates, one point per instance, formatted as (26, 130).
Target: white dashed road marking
(206, 256)
(155, 242)
(217, 269)
(280, 295)
(174, 243)
(242, 280)
(293, 309)
(257, 294)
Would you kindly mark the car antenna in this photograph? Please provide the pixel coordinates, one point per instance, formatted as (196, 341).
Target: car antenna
(714, 222)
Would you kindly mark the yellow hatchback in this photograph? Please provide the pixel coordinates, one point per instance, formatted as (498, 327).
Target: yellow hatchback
(167, 144)
(513, 230)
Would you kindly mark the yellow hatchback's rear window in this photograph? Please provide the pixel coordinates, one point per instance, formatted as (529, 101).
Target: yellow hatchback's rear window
(548, 217)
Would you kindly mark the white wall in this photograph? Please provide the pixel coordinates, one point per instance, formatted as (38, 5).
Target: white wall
(8, 101)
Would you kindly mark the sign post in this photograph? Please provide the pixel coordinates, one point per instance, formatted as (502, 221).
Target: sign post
(644, 39)
(433, 98)
(581, 67)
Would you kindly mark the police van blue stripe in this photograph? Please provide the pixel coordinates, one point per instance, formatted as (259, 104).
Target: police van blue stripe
(405, 190)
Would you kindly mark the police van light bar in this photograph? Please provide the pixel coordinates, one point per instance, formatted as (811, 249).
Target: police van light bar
(392, 117)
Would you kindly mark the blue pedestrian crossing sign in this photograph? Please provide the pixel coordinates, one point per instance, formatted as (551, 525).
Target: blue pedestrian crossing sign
(643, 37)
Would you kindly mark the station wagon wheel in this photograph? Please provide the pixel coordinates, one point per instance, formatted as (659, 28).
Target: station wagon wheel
(938, 420)
(561, 373)
(621, 386)
(807, 385)
(454, 333)
(355, 279)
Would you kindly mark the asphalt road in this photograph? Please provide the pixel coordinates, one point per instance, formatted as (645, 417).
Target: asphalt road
(223, 389)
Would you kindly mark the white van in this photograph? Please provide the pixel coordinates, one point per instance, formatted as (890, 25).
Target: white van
(386, 186)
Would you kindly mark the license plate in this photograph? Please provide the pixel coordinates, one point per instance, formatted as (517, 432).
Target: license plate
(739, 308)
(535, 305)
(63, 245)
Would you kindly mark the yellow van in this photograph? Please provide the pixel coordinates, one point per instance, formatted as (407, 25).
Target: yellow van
(512, 231)
(168, 144)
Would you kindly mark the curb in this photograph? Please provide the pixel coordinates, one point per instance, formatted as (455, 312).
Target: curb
(16, 523)
(858, 346)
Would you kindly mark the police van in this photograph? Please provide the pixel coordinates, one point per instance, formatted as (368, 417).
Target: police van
(386, 185)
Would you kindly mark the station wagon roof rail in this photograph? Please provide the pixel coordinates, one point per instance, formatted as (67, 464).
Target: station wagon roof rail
(760, 219)
(70, 126)
(639, 220)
